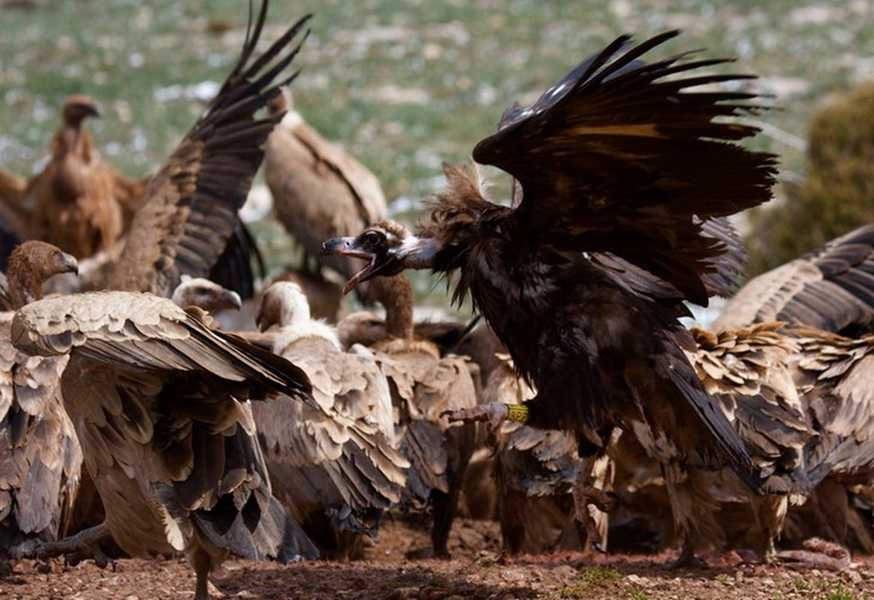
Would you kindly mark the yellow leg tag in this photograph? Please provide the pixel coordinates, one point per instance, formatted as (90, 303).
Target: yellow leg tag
(518, 412)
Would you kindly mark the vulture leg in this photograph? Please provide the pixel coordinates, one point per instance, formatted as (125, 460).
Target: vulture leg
(75, 548)
(201, 562)
(492, 413)
(461, 444)
(687, 558)
(585, 494)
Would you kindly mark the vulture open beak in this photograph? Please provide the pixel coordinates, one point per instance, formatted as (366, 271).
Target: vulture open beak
(346, 246)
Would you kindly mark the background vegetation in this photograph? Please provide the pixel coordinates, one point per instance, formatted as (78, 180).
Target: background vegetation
(402, 84)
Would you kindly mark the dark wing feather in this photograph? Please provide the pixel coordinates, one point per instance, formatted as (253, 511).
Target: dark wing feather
(830, 288)
(191, 205)
(636, 162)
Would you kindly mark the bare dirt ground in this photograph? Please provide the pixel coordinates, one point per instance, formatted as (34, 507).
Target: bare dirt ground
(477, 571)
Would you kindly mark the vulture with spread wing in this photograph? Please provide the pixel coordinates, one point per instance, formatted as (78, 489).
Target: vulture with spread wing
(627, 172)
(41, 458)
(334, 465)
(159, 401)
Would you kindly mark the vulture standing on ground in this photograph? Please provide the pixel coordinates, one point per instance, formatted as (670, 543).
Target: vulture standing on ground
(334, 465)
(423, 386)
(77, 202)
(41, 458)
(319, 191)
(158, 399)
(626, 173)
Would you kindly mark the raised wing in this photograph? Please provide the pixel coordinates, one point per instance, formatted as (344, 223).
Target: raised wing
(830, 288)
(625, 157)
(191, 208)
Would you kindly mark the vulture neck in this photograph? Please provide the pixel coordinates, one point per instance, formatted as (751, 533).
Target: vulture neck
(396, 296)
(25, 283)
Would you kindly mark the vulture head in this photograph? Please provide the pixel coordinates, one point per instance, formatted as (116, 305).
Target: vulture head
(30, 265)
(281, 304)
(78, 107)
(387, 246)
(205, 294)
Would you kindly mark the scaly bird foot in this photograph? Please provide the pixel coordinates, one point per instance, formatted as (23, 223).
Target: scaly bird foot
(584, 496)
(75, 548)
(492, 413)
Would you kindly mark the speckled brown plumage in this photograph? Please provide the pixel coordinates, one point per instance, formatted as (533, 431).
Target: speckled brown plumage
(334, 466)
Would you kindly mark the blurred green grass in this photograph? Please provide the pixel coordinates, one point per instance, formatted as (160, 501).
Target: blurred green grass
(401, 84)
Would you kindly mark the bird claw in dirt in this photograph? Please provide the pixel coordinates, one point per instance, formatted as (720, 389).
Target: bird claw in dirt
(76, 548)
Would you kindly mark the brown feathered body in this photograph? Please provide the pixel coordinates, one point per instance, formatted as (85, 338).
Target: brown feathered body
(78, 200)
(42, 460)
(319, 190)
(584, 279)
(160, 406)
(423, 386)
(334, 465)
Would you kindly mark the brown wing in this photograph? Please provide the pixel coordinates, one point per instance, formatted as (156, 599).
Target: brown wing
(830, 288)
(160, 406)
(191, 207)
(627, 158)
(149, 332)
(42, 460)
(342, 454)
(748, 372)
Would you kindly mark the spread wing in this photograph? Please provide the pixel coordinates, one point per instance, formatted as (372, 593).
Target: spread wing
(191, 205)
(149, 332)
(830, 288)
(629, 158)
(160, 404)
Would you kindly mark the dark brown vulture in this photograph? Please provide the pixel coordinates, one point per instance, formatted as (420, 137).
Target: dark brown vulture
(334, 465)
(423, 386)
(41, 459)
(627, 172)
(830, 288)
(319, 190)
(79, 202)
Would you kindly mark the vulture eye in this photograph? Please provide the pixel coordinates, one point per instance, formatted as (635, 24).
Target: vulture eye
(373, 238)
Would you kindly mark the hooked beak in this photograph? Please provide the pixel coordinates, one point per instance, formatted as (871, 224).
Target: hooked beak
(345, 246)
(230, 300)
(69, 264)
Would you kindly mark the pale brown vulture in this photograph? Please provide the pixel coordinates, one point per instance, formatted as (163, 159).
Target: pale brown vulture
(40, 457)
(423, 386)
(334, 464)
(319, 190)
(627, 170)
